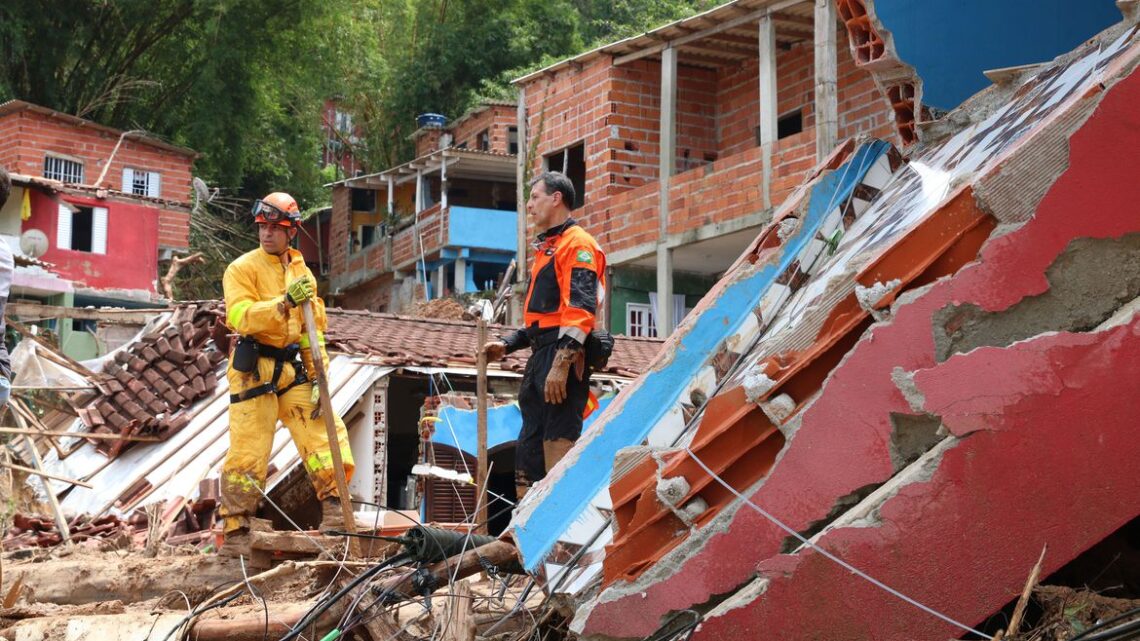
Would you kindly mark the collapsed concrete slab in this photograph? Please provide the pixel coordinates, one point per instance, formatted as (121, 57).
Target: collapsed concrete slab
(942, 346)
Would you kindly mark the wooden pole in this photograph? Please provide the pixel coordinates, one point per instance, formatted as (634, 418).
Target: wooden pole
(46, 475)
(57, 511)
(481, 416)
(112, 437)
(330, 425)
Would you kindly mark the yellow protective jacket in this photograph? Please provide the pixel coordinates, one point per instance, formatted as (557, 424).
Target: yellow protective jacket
(254, 286)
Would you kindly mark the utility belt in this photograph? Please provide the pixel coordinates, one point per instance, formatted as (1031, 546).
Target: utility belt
(246, 354)
(599, 344)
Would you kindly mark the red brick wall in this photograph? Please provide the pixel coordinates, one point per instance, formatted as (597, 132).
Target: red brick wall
(427, 141)
(496, 119)
(615, 110)
(26, 137)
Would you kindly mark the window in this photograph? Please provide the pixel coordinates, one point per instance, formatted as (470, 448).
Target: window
(142, 183)
(513, 140)
(639, 320)
(484, 139)
(790, 124)
(83, 230)
(63, 170)
(572, 162)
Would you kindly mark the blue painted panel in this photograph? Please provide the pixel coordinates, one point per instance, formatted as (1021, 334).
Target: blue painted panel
(951, 42)
(658, 390)
(483, 229)
(459, 428)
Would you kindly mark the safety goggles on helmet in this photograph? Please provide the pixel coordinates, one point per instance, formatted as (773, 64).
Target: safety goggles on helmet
(265, 212)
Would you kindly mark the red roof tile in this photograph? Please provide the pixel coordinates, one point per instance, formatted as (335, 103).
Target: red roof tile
(402, 340)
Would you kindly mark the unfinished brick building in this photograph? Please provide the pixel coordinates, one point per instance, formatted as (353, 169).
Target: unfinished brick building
(442, 223)
(754, 94)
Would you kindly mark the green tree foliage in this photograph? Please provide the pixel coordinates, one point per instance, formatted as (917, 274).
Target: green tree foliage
(243, 81)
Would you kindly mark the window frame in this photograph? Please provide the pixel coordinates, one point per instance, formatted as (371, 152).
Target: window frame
(59, 173)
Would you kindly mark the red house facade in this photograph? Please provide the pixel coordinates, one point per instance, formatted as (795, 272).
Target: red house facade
(99, 206)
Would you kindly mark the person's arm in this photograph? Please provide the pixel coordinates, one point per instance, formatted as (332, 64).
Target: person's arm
(245, 313)
(577, 272)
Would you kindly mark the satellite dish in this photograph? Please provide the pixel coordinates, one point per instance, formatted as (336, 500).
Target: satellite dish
(34, 243)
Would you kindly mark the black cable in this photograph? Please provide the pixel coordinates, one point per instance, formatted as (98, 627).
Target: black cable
(318, 610)
(1088, 635)
(195, 612)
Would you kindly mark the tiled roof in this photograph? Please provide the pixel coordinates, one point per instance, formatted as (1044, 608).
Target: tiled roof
(401, 340)
(145, 388)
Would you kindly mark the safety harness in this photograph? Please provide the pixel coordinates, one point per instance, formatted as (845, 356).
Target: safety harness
(282, 355)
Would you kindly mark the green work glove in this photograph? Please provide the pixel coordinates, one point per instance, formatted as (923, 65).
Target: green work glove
(301, 290)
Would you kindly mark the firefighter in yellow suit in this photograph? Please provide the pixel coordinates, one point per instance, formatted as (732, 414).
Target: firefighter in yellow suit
(264, 290)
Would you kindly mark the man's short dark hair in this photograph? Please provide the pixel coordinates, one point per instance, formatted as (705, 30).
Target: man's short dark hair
(556, 181)
(5, 186)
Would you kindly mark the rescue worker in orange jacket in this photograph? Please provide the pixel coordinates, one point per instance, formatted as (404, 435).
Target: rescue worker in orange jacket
(264, 290)
(567, 285)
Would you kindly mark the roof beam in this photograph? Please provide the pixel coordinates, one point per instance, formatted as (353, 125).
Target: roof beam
(731, 23)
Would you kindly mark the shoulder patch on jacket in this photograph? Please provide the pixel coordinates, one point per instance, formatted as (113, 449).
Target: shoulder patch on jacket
(585, 256)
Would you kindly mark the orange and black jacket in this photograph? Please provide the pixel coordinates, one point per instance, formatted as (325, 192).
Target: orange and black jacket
(567, 285)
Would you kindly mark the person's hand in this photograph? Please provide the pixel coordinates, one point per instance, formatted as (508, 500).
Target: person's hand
(315, 400)
(300, 290)
(495, 350)
(555, 389)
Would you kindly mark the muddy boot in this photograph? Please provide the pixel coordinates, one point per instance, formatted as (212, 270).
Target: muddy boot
(332, 517)
(238, 542)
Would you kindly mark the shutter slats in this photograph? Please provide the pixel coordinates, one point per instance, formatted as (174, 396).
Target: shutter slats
(99, 231)
(63, 228)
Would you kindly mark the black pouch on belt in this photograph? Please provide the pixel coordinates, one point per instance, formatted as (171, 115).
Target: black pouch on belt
(599, 347)
(245, 355)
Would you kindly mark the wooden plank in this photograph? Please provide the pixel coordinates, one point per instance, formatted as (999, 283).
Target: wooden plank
(459, 618)
(826, 98)
(111, 315)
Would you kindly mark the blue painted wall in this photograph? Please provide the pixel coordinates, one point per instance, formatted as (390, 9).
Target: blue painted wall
(483, 229)
(459, 428)
(951, 42)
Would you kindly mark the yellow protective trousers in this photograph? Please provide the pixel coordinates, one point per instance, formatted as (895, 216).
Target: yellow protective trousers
(252, 425)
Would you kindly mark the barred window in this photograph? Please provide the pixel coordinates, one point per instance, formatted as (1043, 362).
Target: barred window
(63, 170)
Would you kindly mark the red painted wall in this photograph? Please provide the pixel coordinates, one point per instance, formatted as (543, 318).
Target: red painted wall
(131, 261)
(27, 136)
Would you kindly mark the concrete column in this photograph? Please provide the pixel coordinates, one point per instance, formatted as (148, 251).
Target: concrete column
(443, 184)
(460, 281)
(388, 242)
(440, 280)
(666, 162)
(826, 100)
(768, 101)
(419, 190)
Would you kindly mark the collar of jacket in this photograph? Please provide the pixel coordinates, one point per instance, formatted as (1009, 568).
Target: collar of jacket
(556, 230)
(294, 254)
